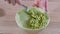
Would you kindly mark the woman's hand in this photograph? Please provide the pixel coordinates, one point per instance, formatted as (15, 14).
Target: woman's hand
(13, 1)
(41, 4)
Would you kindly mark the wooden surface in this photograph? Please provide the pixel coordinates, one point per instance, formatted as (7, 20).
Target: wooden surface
(9, 26)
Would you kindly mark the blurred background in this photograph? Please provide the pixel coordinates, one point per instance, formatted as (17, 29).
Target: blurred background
(9, 26)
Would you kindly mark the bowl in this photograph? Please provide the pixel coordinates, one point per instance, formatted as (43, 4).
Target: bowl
(20, 22)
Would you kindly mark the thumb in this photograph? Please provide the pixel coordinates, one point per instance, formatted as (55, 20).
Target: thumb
(18, 1)
(36, 3)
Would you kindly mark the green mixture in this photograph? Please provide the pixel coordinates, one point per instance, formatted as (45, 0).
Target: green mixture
(37, 19)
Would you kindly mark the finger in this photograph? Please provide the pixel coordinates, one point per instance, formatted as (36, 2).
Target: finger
(13, 2)
(5, 0)
(9, 1)
(18, 1)
(46, 5)
(37, 2)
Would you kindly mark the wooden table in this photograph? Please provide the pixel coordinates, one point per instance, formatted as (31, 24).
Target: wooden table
(9, 26)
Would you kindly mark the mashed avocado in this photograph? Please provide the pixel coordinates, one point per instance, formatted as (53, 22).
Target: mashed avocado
(34, 18)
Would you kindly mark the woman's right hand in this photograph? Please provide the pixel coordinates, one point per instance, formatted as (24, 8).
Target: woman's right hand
(41, 4)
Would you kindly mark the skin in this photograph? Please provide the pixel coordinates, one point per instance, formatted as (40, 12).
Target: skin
(41, 4)
(38, 3)
(13, 1)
